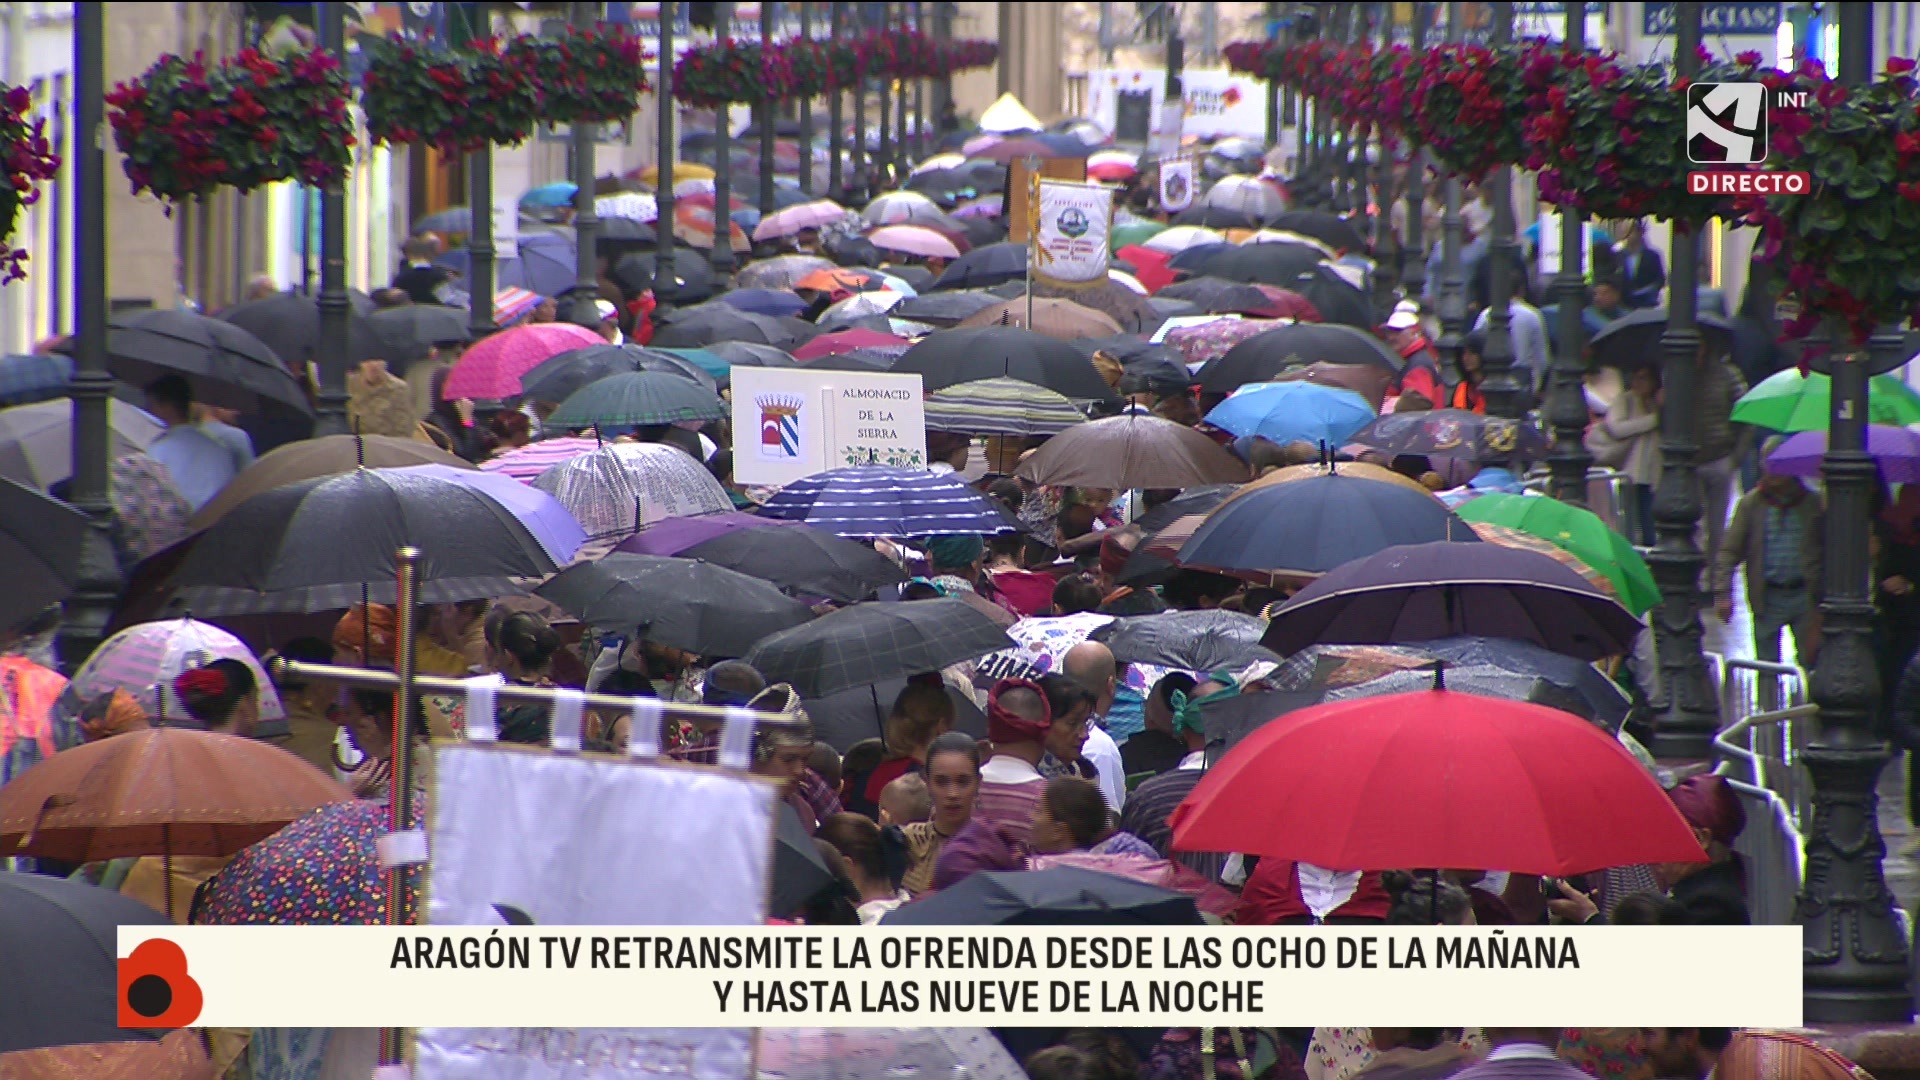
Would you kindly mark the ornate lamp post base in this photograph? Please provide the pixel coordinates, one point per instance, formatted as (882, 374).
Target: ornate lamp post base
(1854, 953)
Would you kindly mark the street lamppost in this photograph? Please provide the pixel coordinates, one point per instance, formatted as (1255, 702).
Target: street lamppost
(666, 264)
(836, 138)
(1567, 404)
(1685, 708)
(806, 110)
(97, 590)
(586, 222)
(721, 258)
(1452, 293)
(1502, 387)
(333, 304)
(883, 160)
(942, 87)
(919, 144)
(480, 243)
(1271, 14)
(1413, 256)
(1855, 967)
(766, 112)
(1341, 166)
(860, 184)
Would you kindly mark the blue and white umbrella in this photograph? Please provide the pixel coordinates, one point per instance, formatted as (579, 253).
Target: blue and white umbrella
(886, 501)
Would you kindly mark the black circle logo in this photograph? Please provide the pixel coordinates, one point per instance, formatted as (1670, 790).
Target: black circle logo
(150, 996)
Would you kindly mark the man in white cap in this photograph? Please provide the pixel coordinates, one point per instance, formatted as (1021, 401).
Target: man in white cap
(609, 326)
(1404, 334)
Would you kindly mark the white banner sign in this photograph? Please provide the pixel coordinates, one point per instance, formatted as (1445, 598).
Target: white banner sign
(1070, 235)
(1215, 101)
(812, 421)
(1176, 185)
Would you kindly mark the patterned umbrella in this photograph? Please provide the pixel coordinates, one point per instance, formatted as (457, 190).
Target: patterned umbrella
(492, 368)
(631, 205)
(1000, 407)
(322, 870)
(693, 225)
(1040, 645)
(619, 489)
(867, 643)
(1507, 536)
(1454, 433)
(781, 272)
(531, 460)
(144, 660)
(886, 501)
(1214, 338)
(148, 510)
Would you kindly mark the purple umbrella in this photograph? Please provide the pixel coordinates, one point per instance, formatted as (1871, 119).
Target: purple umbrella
(543, 515)
(1895, 450)
(675, 535)
(1420, 592)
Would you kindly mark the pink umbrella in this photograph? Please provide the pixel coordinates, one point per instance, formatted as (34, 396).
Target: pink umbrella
(846, 341)
(913, 240)
(1199, 344)
(793, 219)
(535, 458)
(492, 368)
(980, 142)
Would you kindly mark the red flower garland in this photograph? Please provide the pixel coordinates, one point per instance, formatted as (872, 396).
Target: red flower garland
(26, 158)
(732, 72)
(458, 100)
(585, 77)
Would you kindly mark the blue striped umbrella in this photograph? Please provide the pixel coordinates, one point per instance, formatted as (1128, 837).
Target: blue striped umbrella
(883, 500)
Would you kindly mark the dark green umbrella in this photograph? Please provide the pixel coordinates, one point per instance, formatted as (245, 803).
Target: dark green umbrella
(638, 398)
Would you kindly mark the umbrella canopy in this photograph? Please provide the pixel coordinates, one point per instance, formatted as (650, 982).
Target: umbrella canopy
(1371, 382)
(66, 934)
(1236, 223)
(492, 368)
(1435, 779)
(866, 643)
(1332, 230)
(694, 327)
(36, 441)
(1454, 433)
(1633, 339)
(801, 560)
(1249, 195)
(774, 302)
(1514, 538)
(530, 461)
(225, 365)
(1579, 532)
(550, 523)
(315, 545)
(40, 545)
(412, 329)
(1352, 470)
(1405, 595)
(1145, 366)
(162, 790)
(1060, 896)
(675, 535)
(1219, 296)
(1186, 640)
(1287, 412)
(679, 603)
(289, 324)
(562, 376)
(969, 354)
(1182, 237)
(885, 501)
(915, 240)
(144, 659)
(1062, 319)
(799, 873)
(309, 459)
(1132, 451)
(984, 267)
(693, 278)
(1334, 297)
(1895, 452)
(1790, 401)
(545, 264)
(1006, 114)
(549, 196)
(618, 489)
(1007, 150)
(904, 208)
(1000, 407)
(322, 870)
(1313, 525)
(864, 305)
(748, 354)
(638, 398)
(1515, 670)
(796, 219)
(635, 206)
(781, 271)
(846, 341)
(1265, 355)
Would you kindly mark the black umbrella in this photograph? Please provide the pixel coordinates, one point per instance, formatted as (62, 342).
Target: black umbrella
(869, 642)
(1264, 356)
(949, 357)
(1167, 307)
(845, 718)
(1061, 896)
(680, 603)
(919, 277)
(1197, 500)
(1633, 339)
(289, 324)
(1601, 698)
(1484, 680)
(1148, 367)
(1313, 525)
(981, 231)
(226, 365)
(1012, 290)
(984, 267)
(944, 308)
(1331, 229)
(804, 561)
(1270, 264)
(1218, 295)
(1454, 433)
(627, 229)
(847, 249)
(1194, 259)
(62, 937)
(561, 377)
(693, 278)
(40, 543)
(1187, 640)
(1217, 217)
(637, 398)
(327, 543)
(697, 327)
(413, 329)
(1230, 720)
(748, 354)
(799, 873)
(1408, 595)
(1334, 297)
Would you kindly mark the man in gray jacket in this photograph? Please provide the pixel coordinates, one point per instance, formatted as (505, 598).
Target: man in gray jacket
(1776, 534)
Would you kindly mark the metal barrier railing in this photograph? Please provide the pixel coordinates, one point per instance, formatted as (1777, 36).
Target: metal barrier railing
(1760, 702)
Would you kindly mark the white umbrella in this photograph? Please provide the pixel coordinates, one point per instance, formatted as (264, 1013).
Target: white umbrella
(36, 441)
(632, 205)
(1180, 238)
(1249, 195)
(618, 489)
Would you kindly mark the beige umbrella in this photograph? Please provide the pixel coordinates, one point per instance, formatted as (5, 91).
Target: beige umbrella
(1132, 451)
(1062, 319)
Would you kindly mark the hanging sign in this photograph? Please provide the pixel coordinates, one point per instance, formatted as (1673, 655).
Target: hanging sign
(812, 421)
(1071, 225)
(1176, 185)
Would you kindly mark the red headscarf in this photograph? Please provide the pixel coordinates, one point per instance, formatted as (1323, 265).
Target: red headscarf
(1707, 802)
(1005, 726)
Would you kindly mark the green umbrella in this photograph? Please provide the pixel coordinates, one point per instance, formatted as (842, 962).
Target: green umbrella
(1790, 401)
(1576, 531)
(1134, 232)
(638, 397)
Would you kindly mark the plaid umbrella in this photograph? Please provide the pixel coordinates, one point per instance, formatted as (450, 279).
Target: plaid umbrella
(617, 490)
(1000, 407)
(492, 368)
(35, 377)
(144, 660)
(867, 643)
(638, 397)
(322, 870)
(884, 500)
(535, 458)
(149, 513)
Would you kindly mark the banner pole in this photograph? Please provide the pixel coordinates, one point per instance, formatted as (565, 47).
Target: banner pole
(1033, 228)
(400, 787)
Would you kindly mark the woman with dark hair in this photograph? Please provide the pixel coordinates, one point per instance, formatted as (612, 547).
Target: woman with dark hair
(367, 716)
(223, 695)
(509, 429)
(1073, 816)
(870, 855)
(953, 776)
(522, 646)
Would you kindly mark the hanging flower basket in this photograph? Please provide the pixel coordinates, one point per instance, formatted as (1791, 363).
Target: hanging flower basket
(1248, 57)
(186, 129)
(903, 54)
(1470, 107)
(1850, 246)
(969, 55)
(585, 76)
(846, 63)
(456, 100)
(809, 67)
(731, 72)
(26, 158)
(1611, 141)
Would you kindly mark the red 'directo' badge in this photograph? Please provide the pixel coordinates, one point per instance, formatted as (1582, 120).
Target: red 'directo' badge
(155, 989)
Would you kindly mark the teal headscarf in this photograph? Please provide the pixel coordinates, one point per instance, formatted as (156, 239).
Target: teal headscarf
(956, 551)
(1186, 710)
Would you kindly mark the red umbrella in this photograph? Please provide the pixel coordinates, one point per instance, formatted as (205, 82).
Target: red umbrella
(1287, 304)
(846, 341)
(1149, 266)
(1435, 779)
